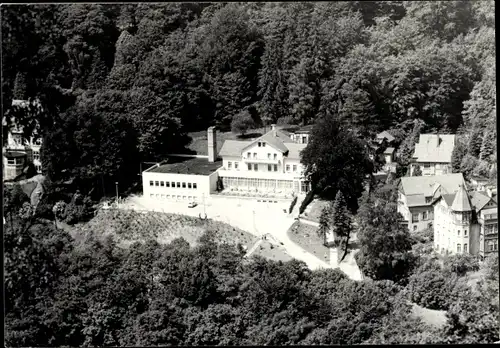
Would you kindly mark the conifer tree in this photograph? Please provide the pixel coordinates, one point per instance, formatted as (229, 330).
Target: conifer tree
(341, 221)
(459, 151)
(488, 144)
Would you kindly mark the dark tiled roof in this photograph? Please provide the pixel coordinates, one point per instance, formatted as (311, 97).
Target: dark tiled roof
(14, 154)
(184, 165)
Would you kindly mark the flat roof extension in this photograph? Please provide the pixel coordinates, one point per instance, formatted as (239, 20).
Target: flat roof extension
(186, 165)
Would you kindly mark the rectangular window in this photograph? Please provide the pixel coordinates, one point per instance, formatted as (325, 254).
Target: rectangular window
(167, 183)
(304, 139)
(178, 185)
(162, 196)
(459, 248)
(183, 185)
(414, 217)
(248, 155)
(255, 167)
(194, 185)
(151, 196)
(235, 165)
(259, 143)
(255, 155)
(168, 196)
(427, 165)
(424, 216)
(287, 168)
(162, 183)
(189, 185)
(268, 156)
(275, 167)
(465, 248)
(465, 233)
(275, 156)
(151, 183)
(294, 167)
(157, 183)
(249, 166)
(263, 144)
(458, 232)
(269, 168)
(173, 184)
(229, 165)
(36, 155)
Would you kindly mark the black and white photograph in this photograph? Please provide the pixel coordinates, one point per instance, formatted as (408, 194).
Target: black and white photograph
(249, 173)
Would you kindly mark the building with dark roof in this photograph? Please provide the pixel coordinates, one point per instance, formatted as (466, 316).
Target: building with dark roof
(466, 222)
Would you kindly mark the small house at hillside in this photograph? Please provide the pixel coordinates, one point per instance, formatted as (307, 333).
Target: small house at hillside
(433, 154)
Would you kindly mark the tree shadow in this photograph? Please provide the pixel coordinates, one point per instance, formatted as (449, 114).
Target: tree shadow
(249, 135)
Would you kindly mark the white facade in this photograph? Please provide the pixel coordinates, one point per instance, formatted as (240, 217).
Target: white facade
(429, 169)
(178, 187)
(454, 232)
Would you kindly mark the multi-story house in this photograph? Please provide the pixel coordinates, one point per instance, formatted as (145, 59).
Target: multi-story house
(433, 154)
(18, 150)
(465, 222)
(270, 163)
(417, 194)
(301, 135)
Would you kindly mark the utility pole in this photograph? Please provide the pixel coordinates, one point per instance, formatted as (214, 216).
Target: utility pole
(116, 183)
(204, 211)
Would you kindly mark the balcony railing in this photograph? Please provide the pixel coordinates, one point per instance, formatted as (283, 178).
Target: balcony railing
(261, 160)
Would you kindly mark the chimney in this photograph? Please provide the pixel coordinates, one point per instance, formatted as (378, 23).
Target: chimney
(212, 144)
(273, 127)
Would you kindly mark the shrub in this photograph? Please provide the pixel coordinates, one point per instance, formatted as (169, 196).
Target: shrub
(242, 122)
(460, 264)
(292, 204)
(308, 199)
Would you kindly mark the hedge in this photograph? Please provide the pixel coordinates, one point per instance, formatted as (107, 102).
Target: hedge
(294, 201)
(308, 199)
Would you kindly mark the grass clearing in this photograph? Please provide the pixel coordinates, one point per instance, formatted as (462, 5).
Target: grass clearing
(272, 252)
(306, 236)
(314, 209)
(128, 226)
(435, 318)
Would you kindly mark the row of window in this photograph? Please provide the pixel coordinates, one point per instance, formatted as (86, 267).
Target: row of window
(173, 184)
(416, 217)
(492, 245)
(491, 229)
(249, 155)
(459, 248)
(262, 144)
(158, 196)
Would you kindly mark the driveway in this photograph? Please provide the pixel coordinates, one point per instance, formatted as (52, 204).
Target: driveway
(255, 217)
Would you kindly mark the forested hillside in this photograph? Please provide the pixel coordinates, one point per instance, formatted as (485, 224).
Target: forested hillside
(125, 83)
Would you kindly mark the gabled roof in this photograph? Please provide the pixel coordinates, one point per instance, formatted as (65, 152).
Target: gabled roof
(449, 198)
(479, 200)
(461, 202)
(386, 135)
(233, 148)
(275, 138)
(304, 129)
(281, 142)
(436, 148)
(415, 185)
(294, 150)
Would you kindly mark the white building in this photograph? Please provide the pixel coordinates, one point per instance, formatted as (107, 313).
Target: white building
(268, 164)
(433, 154)
(466, 222)
(19, 150)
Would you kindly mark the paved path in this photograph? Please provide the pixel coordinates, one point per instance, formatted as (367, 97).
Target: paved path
(255, 246)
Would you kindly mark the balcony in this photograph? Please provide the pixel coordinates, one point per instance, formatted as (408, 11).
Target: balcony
(261, 160)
